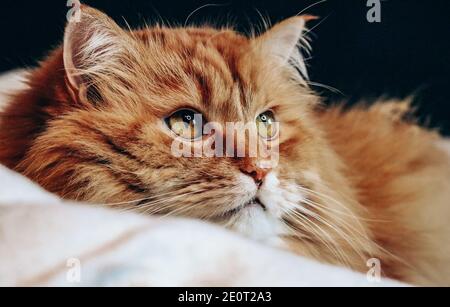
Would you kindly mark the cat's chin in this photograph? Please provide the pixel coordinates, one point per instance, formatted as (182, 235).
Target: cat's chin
(250, 205)
(254, 221)
(260, 217)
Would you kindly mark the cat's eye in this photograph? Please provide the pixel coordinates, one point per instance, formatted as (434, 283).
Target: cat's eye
(266, 125)
(186, 123)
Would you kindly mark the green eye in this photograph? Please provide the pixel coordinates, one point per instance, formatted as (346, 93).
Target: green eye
(266, 125)
(186, 123)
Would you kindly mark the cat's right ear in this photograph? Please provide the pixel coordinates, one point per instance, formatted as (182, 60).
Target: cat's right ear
(92, 41)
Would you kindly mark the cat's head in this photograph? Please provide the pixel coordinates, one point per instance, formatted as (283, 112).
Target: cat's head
(129, 95)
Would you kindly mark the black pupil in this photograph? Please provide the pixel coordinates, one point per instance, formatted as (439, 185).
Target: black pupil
(188, 117)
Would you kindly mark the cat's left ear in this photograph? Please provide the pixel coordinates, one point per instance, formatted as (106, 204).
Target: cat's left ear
(282, 40)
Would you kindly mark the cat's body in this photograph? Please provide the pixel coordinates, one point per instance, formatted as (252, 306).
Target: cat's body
(349, 185)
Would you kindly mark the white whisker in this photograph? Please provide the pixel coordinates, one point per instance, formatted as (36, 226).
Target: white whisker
(202, 7)
(310, 6)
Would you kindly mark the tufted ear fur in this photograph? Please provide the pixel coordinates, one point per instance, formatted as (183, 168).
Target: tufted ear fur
(284, 39)
(91, 44)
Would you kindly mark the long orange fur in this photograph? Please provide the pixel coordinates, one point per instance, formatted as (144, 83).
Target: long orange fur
(372, 176)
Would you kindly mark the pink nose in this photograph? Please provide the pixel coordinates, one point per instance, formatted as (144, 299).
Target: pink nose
(250, 168)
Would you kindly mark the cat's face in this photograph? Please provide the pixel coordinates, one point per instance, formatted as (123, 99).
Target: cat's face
(129, 93)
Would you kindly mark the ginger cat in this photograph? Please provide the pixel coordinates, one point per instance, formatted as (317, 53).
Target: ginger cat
(101, 113)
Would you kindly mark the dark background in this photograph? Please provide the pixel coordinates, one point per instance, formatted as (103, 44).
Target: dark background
(407, 53)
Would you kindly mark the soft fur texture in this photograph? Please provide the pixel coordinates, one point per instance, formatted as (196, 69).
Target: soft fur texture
(350, 185)
(10, 83)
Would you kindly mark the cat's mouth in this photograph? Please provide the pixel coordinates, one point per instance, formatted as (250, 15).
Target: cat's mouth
(255, 202)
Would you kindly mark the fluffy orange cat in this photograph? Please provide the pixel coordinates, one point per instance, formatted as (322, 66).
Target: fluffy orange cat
(102, 111)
